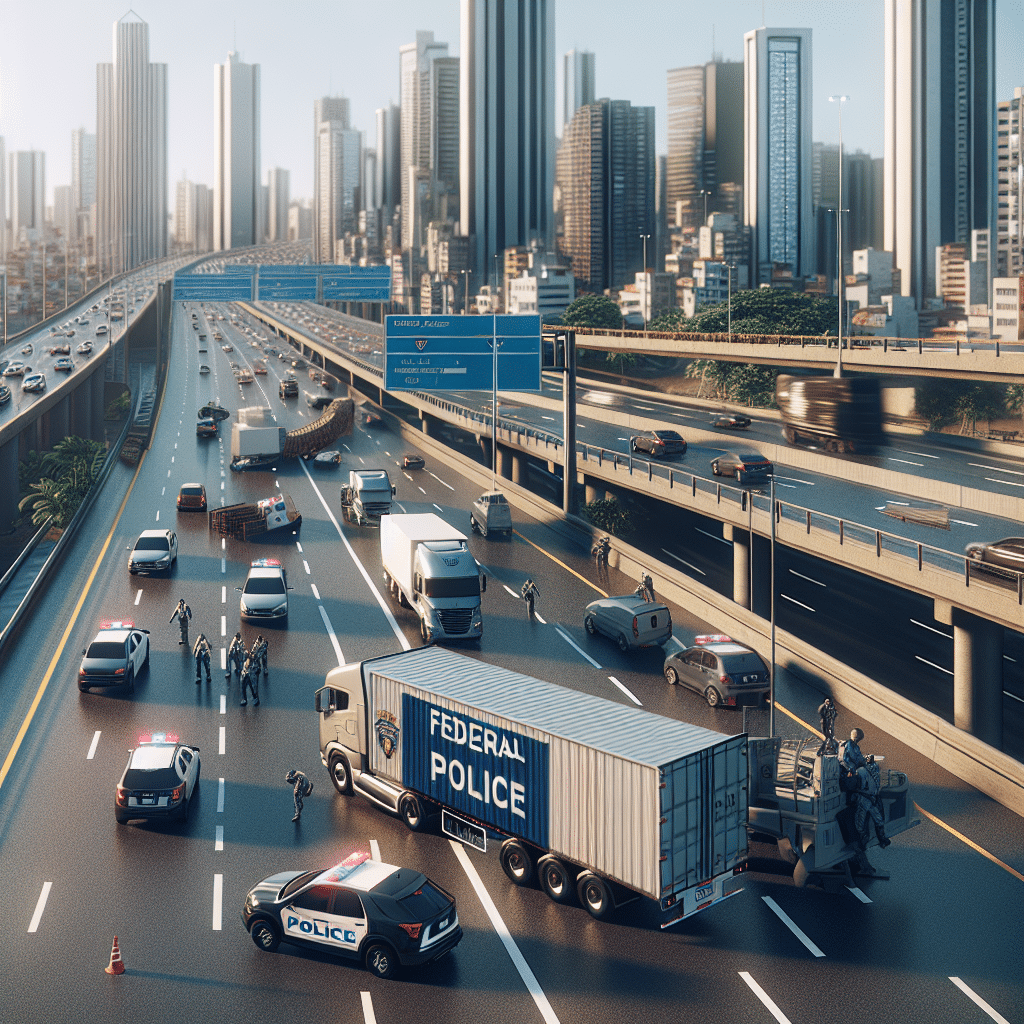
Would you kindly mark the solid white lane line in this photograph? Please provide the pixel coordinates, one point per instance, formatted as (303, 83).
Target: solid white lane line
(218, 901)
(368, 1015)
(40, 907)
(575, 646)
(218, 842)
(931, 664)
(721, 540)
(220, 742)
(223, 625)
(862, 896)
(220, 796)
(971, 994)
(1005, 483)
(995, 469)
(791, 925)
(138, 596)
(795, 601)
(948, 636)
(906, 462)
(332, 635)
(625, 691)
(808, 578)
(517, 958)
(223, 704)
(93, 745)
(765, 998)
(920, 455)
(374, 849)
(305, 565)
(683, 560)
(440, 481)
(794, 479)
(223, 594)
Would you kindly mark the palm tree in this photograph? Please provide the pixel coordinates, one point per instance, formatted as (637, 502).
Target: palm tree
(49, 501)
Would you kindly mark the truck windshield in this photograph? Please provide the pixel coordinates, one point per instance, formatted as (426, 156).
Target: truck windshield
(459, 586)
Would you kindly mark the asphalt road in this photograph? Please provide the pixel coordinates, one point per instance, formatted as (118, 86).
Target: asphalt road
(172, 894)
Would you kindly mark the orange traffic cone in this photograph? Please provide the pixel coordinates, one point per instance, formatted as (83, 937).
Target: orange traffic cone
(116, 965)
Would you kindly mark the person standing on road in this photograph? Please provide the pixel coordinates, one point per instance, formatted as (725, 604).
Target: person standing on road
(869, 804)
(201, 652)
(646, 588)
(302, 787)
(827, 713)
(600, 552)
(529, 594)
(183, 613)
(249, 684)
(260, 649)
(236, 656)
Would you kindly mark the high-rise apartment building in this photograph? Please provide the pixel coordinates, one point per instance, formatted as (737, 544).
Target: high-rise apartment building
(278, 199)
(337, 187)
(131, 152)
(332, 110)
(63, 213)
(578, 71)
(27, 182)
(777, 202)
(607, 181)
(237, 215)
(3, 207)
(507, 151)
(83, 181)
(1009, 224)
(939, 131)
(193, 217)
(389, 152)
(705, 139)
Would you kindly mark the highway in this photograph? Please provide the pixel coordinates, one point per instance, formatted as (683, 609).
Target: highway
(927, 945)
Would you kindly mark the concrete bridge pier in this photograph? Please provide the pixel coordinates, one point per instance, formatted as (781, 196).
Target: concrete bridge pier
(426, 423)
(97, 431)
(518, 469)
(9, 494)
(506, 462)
(740, 563)
(81, 406)
(59, 422)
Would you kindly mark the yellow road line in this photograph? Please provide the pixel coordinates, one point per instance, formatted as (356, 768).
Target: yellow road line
(558, 561)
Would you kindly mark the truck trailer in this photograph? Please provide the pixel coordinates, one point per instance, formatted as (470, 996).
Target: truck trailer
(595, 799)
(250, 519)
(428, 567)
(839, 414)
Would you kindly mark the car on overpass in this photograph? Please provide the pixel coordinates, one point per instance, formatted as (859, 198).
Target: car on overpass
(65, 364)
(118, 654)
(659, 443)
(160, 780)
(34, 382)
(722, 671)
(84, 348)
(1002, 558)
(731, 421)
(16, 368)
(745, 465)
(5, 394)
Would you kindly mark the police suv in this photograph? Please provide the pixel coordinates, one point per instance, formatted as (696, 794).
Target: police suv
(361, 908)
(117, 655)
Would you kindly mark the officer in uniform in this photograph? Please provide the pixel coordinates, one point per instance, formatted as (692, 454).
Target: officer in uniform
(260, 649)
(236, 655)
(850, 756)
(827, 713)
(868, 803)
(648, 585)
(182, 613)
(248, 683)
(302, 788)
(201, 652)
(255, 665)
(529, 594)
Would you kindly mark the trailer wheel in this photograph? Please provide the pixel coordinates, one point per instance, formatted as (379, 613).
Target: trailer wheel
(594, 894)
(341, 774)
(554, 879)
(411, 810)
(516, 862)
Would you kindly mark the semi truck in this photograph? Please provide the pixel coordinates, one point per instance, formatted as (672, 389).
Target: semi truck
(594, 799)
(250, 519)
(256, 444)
(838, 414)
(428, 567)
(367, 496)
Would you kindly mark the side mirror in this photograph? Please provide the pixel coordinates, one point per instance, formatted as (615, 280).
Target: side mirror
(394, 490)
(83, 652)
(483, 582)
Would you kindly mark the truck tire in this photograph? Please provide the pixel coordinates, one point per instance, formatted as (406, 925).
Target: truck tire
(623, 642)
(554, 878)
(595, 895)
(516, 862)
(802, 876)
(786, 851)
(412, 813)
(341, 774)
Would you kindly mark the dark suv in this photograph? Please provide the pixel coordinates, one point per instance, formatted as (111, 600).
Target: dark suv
(659, 443)
(289, 388)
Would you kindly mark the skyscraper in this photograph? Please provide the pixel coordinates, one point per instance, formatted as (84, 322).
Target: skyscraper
(940, 109)
(277, 219)
(777, 154)
(333, 110)
(193, 217)
(3, 207)
(579, 73)
(705, 138)
(336, 189)
(83, 180)
(1009, 235)
(507, 151)
(388, 166)
(237, 212)
(131, 152)
(28, 195)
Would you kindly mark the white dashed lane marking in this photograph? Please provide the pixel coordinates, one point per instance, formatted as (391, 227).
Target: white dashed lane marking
(93, 745)
(220, 793)
(40, 907)
(218, 901)
(764, 997)
(220, 746)
(792, 925)
(218, 842)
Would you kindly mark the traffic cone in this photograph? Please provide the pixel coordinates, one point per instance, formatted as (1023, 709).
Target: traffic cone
(116, 965)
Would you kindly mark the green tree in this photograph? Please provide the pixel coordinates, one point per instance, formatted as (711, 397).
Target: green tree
(983, 400)
(760, 311)
(621, 361)
(593, 311)
(74, 464)
(1015, 399)
(608, 515)
(753, 385)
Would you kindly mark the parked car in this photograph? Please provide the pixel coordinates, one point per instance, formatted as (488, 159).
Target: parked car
(723, 671)
(731, 421)
(34, 382)
(160, 780)
(115, 657)
(659, 443)
(1004, 558)
(744, 465)
(192, 498)
(154, 551)
(630, 621)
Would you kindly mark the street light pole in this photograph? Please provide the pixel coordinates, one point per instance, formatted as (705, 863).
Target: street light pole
(840, 100)
(647, 289)
(729, 302)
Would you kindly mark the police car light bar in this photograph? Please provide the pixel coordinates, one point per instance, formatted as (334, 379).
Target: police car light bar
(341, 871)
(712, 638)
(264, 563)
(117, 624)
(158, 737)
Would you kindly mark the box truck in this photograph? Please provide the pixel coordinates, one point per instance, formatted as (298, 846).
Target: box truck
(595, 799)
(428, 567)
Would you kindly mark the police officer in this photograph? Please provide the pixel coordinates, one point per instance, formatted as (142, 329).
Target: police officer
(646, 585)
(182, 613)
(236, 655)
(302, 788)
(868, 803)
(255, 665)
(201, 652)
(248, 683)
(850, 756)
(827, 713)
(529, 594)
(260, 649)
(600, 552)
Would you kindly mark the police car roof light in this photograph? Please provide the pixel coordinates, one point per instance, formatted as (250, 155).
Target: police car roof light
(263, 563)
(117, 624)
(712, 638)
(347, 866)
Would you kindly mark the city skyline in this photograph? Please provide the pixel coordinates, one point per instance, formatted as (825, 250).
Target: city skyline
(68, 40)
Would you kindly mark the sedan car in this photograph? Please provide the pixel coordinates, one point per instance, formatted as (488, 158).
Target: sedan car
(192, 498)
(85, 348)
(363, 909)
(630, 621)
(327, 460)
(265, 593)
(34, 382)
(16, 368)
(117, 655)
(159, 781)
(744, 465)
(731, 421)
(65, 364)
(61, 350)
(412, 462)
(1004, 558)
(206, 427)
(659, 443)
(203, 368)
(154, 551)
(318, 401)
(723, 671)
(5, 394)
(26, 350)
(228, 348)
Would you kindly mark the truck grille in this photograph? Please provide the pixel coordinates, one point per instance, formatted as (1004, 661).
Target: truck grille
(374, 509)
(455, 621)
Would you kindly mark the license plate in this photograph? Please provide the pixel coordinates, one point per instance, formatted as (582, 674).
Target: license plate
(703, 893)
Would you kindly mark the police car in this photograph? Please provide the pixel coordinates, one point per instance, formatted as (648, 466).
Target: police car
(265, 593)
(724, 671)
(117, 655)
(159, 781)
(382, 915)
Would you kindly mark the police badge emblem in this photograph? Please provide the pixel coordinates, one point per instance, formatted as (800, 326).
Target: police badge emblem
(387, 732)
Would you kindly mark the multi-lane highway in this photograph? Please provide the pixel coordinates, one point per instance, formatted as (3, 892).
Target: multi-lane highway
(936, 942)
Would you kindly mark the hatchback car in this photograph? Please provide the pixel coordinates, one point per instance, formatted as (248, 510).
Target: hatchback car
(731, 421)
(65, 364)
(192, 498)
(659, 443)
(16, 368)
(1004, 558)
(379, 914)
(265, 593)
(160, 780)
(630, 621)
(119, 653)
(744, 465)
(154, 551)
(723, 671)
(34, 382)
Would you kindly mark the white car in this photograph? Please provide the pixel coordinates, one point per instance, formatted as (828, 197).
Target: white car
(118, 654)
(16, 369)
(265, 593)
(154, 551)
(85, 348)
(160, 780)
(34, 382)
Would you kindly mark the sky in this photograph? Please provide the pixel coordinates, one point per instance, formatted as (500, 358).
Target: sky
(49, 50)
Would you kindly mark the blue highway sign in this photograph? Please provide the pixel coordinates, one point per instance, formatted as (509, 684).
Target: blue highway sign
(355, 284)
(454, 353)
(290, 281)
(213, 287)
